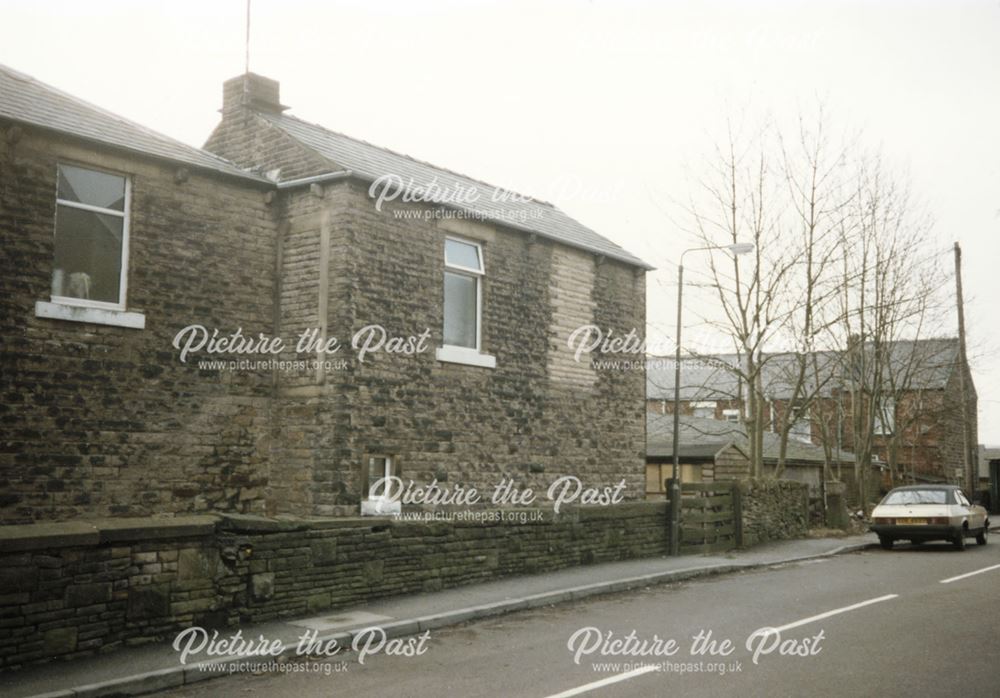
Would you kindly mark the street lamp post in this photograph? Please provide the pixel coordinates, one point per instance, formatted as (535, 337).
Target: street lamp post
(675, 485)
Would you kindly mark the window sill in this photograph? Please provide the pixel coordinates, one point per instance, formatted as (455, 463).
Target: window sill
(464, 355)
(95, 316)
(379, 507)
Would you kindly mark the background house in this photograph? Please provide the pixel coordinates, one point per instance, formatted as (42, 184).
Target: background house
(910, 389)
(276, 233)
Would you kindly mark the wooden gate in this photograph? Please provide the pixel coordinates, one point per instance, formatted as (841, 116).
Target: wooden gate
(711, 517)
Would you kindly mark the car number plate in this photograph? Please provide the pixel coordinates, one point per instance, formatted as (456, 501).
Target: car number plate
(911, 522)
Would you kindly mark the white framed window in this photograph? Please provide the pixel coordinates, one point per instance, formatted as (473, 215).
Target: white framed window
(377, 469)
(89, 281)
(705, 409)
(464, 270)
(91, 238)
(731, 415)
(885, 417)
(801, 429)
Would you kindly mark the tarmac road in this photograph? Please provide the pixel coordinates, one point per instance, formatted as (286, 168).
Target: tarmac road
(887, 623)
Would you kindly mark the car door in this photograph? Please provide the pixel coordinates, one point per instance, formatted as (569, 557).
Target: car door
(973, 514)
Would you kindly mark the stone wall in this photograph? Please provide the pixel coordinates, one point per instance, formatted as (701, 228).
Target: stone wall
(98, 420)
(102, 420)
(75, 588)
(529, 419)
(773, 510)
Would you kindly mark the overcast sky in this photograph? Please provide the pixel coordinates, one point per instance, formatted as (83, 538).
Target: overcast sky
(596, 106)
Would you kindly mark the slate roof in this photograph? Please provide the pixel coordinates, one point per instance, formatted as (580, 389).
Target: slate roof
(927, 362)
(26, 100)
(370, 162)
(703, 438)
(930, 361)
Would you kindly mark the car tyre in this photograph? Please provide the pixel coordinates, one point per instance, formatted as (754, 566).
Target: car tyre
(981, 537)
(885, 542)
(959, 541)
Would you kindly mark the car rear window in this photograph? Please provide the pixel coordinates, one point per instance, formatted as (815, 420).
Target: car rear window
(917, 497)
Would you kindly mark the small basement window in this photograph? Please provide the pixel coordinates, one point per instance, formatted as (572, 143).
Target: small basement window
(375, 485)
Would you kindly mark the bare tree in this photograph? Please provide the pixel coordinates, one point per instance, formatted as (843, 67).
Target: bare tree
(786, 196)
(890, 289)
(742, 192)
(840, 274)
(813, 170)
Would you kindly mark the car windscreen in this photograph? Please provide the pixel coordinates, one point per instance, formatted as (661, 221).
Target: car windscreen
(917, 497)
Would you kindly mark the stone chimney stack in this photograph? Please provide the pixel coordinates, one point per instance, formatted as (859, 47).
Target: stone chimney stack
(253, 91)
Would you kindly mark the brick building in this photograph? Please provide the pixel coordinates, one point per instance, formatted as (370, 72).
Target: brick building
(115, 239)
(918, 431)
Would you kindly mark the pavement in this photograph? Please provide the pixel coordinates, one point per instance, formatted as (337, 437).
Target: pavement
(157, 666)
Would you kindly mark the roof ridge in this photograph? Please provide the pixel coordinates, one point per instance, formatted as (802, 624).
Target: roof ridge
(415, 159)
(25, 78)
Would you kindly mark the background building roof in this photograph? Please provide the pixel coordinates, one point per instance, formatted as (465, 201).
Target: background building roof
(703, 438)
(924, 364)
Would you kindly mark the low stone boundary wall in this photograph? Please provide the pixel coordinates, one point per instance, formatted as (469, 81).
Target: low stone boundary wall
(75, 588)
(68, 589)
(773, 510)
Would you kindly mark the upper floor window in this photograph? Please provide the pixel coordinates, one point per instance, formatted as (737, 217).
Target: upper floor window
(464, 272)
(463, 263)
(801, 428)
(885, 417)
(91, 238)
(703, 408)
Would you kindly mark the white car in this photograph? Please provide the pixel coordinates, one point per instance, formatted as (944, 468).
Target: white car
(921, 513)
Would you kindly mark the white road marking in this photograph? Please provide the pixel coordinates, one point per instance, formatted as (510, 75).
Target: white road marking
(969, 574)
(646, 669)
(834, 612)
(605, 682)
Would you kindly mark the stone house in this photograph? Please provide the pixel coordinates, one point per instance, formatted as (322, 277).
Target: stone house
(116, 239)
(919, 430)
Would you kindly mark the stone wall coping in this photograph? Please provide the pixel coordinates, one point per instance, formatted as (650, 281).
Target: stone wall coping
(133, 529)
(92, 532)
(65, 534)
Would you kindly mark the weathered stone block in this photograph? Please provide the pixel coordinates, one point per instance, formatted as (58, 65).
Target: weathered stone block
(318, 602)
(59, 641)
(373, 571)
(262, 586)
(195, 563)
(324, 551)
(180, 608)
(91, 594)
(151, 601)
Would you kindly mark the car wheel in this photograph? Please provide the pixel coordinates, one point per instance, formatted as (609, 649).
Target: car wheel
(959, 541)
(885, 542)
(981, 537)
